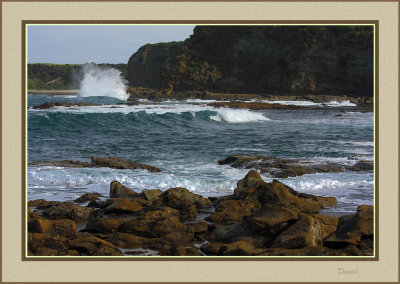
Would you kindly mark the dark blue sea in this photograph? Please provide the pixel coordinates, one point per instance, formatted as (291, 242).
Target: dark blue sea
(186, 139)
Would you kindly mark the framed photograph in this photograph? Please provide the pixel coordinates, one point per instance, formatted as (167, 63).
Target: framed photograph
(259, 139)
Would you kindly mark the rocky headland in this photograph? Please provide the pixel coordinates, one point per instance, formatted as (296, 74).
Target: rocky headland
(258, 219)
(267, 60)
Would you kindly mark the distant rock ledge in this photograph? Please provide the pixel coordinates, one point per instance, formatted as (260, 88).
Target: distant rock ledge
(283, 168)
(98, 162)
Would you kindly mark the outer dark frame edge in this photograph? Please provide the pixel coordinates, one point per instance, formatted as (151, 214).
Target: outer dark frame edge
(24, 24)
(24, 209)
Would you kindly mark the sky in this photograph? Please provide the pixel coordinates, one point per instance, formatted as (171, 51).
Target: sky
(78, 44)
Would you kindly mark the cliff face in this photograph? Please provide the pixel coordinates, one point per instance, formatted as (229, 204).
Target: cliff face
(278, 60)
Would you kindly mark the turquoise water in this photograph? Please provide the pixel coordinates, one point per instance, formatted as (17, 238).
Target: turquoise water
(186, 140)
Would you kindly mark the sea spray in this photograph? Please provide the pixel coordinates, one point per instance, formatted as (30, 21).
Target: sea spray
(102, 82)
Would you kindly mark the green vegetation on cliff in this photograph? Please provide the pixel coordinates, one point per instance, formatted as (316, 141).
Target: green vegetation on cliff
(275, 60)
(48, 76)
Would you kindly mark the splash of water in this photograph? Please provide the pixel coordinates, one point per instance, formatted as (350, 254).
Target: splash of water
(102, 82)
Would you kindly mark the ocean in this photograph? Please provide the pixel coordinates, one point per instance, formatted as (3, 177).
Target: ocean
(187, 138)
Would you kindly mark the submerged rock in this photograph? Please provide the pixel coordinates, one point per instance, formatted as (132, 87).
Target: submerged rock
(97, 162)
(48, 105)
(254, 105)
(283, 168)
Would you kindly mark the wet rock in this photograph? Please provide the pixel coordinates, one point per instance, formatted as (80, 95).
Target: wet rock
(284, 168)
(93, 196)
(232, 211)
(118, 163)
(117, 190)
(68, 210)
(90, 245)
(362, 166)
(63, 227)
(123, 205)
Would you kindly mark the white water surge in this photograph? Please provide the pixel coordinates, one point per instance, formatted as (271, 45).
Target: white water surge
(102, 82)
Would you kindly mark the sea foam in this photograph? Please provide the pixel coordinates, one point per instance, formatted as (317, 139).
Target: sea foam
(237, 116)
(102, 82)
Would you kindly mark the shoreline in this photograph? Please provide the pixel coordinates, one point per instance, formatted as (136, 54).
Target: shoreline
(136, 93)
(258, 219)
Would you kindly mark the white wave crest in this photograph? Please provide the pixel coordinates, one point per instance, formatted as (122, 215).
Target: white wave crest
(237, 116)
(102, 82)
